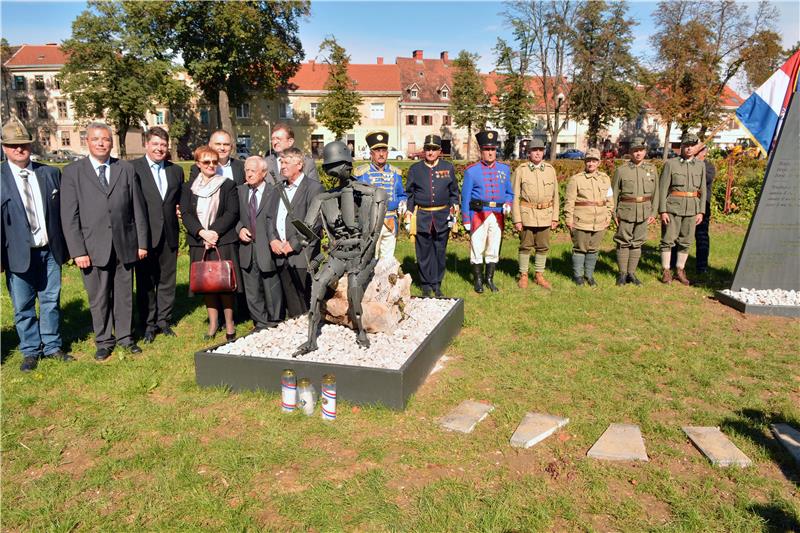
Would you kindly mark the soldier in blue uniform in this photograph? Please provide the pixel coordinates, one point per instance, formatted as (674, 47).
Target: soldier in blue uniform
(383, 175)
(432, 204)
(486, 196)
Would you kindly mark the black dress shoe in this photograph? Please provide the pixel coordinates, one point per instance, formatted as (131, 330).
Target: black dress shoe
(102, 354)
(149, 337)
(578, 280)
(230, 336)
(633, 279)
(438, 293)
(29, 362)
(426, 293)
(132, 348)
(591, 282)
(622, 279)
(166, 330)
(60, 355)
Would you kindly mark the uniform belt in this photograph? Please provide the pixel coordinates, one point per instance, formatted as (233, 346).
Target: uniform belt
(492, 204)
(593, 204)
(685, 194)
(546, 205)
(433, 208)
(635, 199)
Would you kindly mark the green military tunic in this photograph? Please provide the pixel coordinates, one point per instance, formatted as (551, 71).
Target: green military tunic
(635, 199)
(682, 195)
(587, 208)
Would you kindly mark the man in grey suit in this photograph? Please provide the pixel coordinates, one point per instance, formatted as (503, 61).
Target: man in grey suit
(104, 218)
(161, 183)
(291, 258)
(259, 274)
(33, 247)
(282, 139)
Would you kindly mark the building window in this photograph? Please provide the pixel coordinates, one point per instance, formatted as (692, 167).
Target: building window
(285, 111)
(41, 108)
(314, 107)
(447, 120)
(62, 108)
(317, 143)
(444, 93)
(411, 120)
(44, 137)
(160, 118)
(376, 110)
(65, 138)
(19, 83)
(83, 138)
(427, 120)
(22, 109)
(243, 110)
(57, 83)
(38, 82)
(204, 117)
(414, 93)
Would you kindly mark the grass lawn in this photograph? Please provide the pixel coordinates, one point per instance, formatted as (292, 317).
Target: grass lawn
(134, 445)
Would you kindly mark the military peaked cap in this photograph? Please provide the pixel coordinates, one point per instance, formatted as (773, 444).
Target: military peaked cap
(637, 143)
(592, 153)
(690, 139)
(433, 141)
(537, 142)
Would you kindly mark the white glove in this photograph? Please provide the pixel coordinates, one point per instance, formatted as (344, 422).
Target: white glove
(468, 226)
(401, 208)
(506, 209)
(408, 227)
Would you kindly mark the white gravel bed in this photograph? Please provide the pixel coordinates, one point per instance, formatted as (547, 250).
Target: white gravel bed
(765, 297)
(337, 344)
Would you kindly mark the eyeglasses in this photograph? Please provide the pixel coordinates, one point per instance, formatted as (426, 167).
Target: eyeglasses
(209, 162)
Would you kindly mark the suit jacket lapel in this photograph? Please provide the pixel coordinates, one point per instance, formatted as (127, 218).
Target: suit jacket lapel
(301, 191)
(114, 172)
(11, 186)
(91, 175)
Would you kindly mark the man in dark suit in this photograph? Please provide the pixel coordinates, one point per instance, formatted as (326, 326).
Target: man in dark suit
(230, 167)
(105, 225)
(161, 183)
(291, 259)
(259, 274)
(33, 247)
(282, 139)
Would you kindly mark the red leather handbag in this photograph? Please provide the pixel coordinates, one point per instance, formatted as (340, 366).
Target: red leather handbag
(212, 276)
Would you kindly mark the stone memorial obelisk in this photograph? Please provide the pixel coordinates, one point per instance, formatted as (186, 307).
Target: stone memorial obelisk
(767, 276)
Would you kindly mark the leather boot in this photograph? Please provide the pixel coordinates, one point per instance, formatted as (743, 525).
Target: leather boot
(540, 281)
(477, 272)
(622, 279)
(666, 276)
(522, 283)
(490, 276)
(681, 275)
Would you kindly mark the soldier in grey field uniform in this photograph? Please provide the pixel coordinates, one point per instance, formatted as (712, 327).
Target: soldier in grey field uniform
(682, 204)
(635, 186)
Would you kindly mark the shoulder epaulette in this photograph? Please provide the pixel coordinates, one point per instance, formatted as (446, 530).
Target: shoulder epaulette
(394, 169)
(361, 170)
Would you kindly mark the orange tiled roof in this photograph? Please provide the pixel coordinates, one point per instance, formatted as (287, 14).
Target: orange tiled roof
(430, 75)
(368, 77)
(37, 54)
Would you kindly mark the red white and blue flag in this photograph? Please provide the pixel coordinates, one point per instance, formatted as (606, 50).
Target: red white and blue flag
(761, 114)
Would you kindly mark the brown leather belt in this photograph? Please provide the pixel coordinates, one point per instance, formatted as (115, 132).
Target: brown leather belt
(593, 204)
(635, 199)
(684, 194)
(547, 205)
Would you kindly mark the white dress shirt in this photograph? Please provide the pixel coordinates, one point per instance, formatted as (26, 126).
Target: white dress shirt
(39, 238)
(96, 166)
(280, 220)
(159, 175)
(225, 170)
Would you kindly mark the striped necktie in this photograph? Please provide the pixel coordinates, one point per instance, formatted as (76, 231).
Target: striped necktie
(30, 206)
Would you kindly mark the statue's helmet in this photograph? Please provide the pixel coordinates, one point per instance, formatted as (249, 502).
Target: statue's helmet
(336, 152)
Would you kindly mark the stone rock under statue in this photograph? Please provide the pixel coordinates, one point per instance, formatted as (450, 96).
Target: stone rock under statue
(384, 302)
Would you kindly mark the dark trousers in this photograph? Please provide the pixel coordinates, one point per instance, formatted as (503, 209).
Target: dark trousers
(264, 295)
(110, 290)
(155, 287)
(431, 249)
(296, 287)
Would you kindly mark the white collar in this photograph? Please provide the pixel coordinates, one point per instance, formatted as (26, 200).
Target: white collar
(150, 162)
(96, 164)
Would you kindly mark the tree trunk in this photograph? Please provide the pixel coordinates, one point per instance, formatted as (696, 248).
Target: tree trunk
(667, 145)
(469, 141)
(122, 133)
(224, 115)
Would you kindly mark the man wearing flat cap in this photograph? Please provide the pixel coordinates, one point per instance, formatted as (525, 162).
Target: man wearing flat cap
(635, 186)
(534, 211)
(681, 203)
(381, 174)
(432, 192)
(587, 213)
(486, 196)
(33, 247)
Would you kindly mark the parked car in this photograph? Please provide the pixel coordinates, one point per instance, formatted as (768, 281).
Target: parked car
(657, 152)
(62, 156)
(394, 153)
(572, 153)
(35, 157)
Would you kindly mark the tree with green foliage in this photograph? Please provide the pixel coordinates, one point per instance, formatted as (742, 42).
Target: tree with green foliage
(338, 108)
(5, 55)
(232, 49)
(109, 74)
(764, 56)
(469, 103)
(514, 107)
(606, 73)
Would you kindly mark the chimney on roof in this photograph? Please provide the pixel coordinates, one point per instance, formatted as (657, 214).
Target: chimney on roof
(443, 56)
(380, 61)
(417, 54)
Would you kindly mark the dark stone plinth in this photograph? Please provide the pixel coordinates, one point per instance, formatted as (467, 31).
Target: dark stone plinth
(356, 384)
(770, 310)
